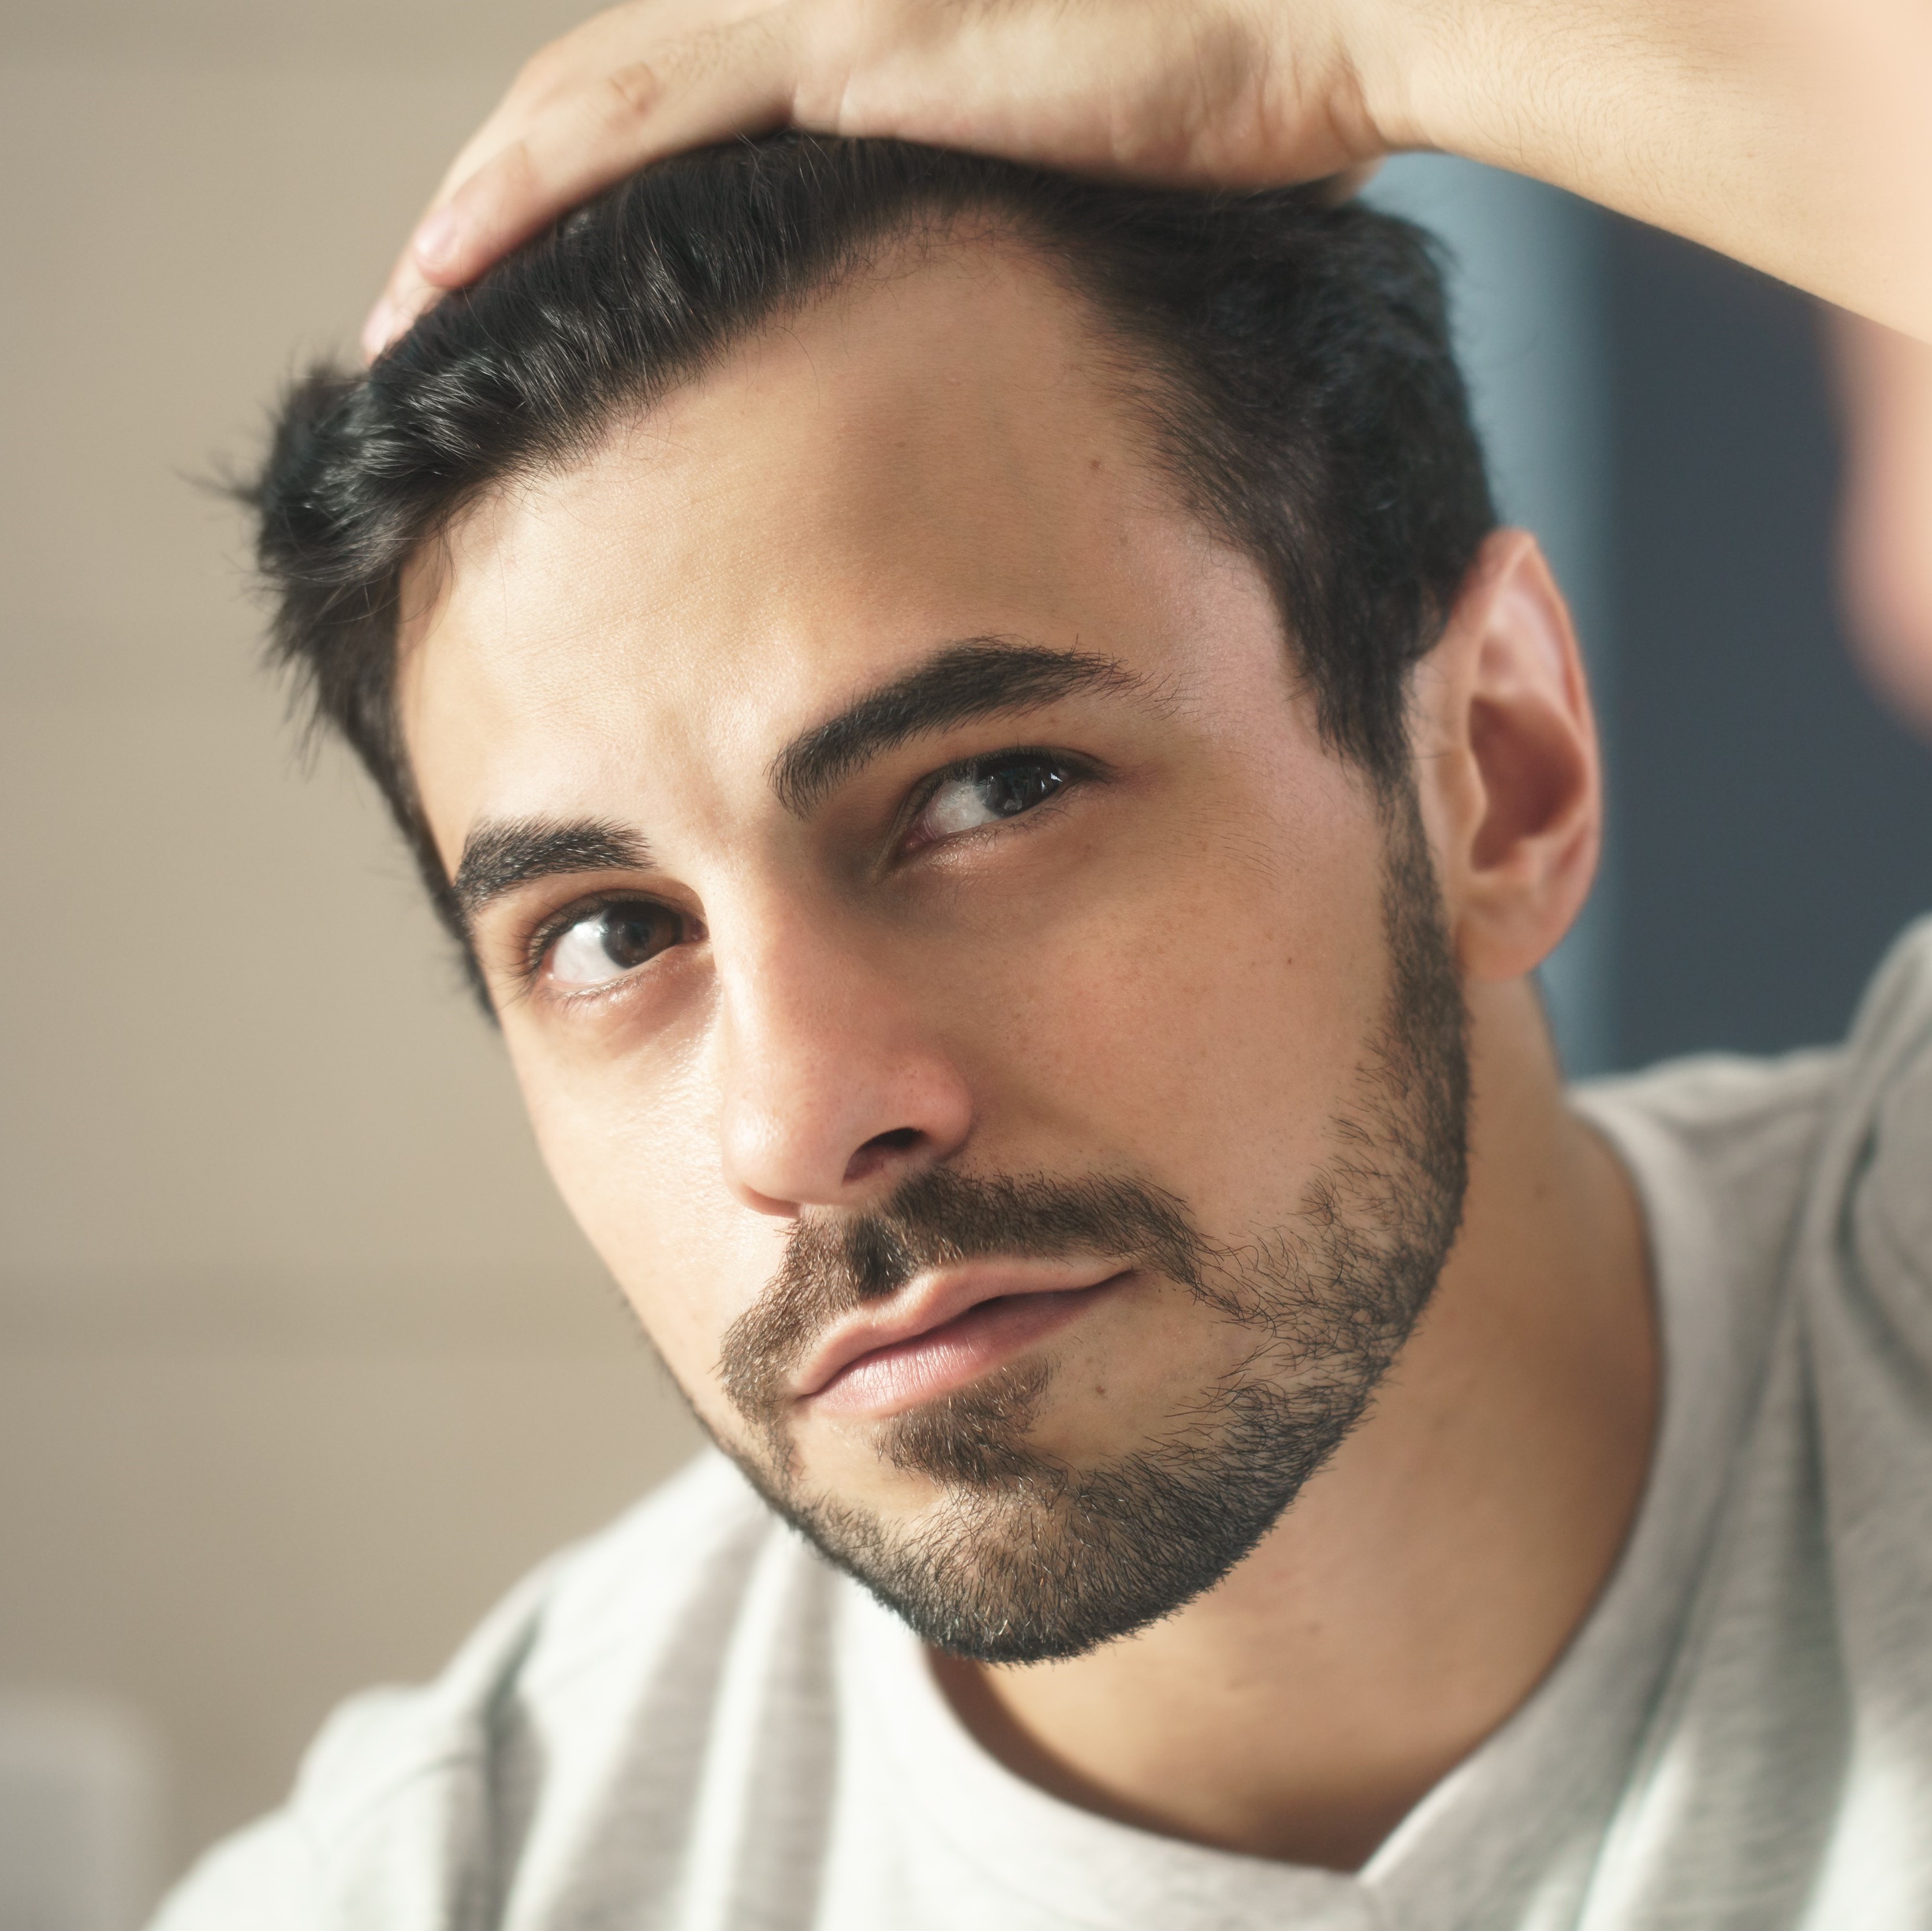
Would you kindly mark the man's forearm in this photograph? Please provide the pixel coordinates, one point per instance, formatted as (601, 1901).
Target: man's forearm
(1795, 135)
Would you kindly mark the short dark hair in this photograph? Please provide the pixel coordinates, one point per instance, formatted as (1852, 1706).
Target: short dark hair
(1291, 358)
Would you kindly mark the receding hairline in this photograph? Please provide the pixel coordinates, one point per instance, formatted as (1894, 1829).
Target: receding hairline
(981, 251)
(981, 238)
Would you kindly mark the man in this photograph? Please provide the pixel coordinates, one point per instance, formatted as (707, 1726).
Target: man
(1005, 793)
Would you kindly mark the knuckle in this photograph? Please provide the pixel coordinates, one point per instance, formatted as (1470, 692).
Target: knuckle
(562, 64)
(511, 177)
(628, 95)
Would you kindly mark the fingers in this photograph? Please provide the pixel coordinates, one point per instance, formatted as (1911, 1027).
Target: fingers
(594, 137)
(1174, 91)
(574, 124)
(408, 290)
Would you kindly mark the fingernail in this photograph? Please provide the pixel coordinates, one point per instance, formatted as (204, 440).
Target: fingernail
(379, 327)
(435, 239)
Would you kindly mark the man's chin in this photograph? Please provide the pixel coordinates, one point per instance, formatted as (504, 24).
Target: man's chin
(994, 1551)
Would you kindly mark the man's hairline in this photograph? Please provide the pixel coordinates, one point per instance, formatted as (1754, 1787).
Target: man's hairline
(1135, 376)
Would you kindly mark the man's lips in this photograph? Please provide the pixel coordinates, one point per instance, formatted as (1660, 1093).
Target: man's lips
(944, 1329)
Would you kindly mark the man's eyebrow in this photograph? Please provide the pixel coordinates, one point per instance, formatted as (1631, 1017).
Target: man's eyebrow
(502, 853)
(976, 677)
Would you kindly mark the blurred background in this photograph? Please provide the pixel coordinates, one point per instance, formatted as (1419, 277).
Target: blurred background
(301, 1362)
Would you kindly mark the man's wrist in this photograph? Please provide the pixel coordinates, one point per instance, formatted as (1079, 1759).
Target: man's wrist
(1403, 69)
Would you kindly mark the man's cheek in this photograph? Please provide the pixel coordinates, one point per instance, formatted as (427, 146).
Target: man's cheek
(1160, 1042)
(647, 1191)
(687, 1280)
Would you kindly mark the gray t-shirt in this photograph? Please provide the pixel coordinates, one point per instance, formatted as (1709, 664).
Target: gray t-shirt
(690, 1723)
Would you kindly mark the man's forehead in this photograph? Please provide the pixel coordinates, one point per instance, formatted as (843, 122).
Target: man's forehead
(931, 455)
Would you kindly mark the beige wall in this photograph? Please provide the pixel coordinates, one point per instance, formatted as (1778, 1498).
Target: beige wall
(300, 1361)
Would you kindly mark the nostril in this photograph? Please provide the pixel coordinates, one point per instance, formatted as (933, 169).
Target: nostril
(878, 1152)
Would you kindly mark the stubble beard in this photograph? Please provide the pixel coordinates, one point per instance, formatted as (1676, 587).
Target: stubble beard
(1024, 1557)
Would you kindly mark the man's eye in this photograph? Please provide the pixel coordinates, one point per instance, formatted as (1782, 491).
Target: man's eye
(983, 793)
(605, 944)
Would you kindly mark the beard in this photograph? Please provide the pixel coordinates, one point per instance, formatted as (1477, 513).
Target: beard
(1024, 1557)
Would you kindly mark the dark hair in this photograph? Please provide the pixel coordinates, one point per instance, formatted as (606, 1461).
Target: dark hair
(1291, 358)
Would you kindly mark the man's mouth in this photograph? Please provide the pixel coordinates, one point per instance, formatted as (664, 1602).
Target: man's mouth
(945, 1329)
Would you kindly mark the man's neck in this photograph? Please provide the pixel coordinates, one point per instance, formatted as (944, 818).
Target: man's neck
(1426, 1580)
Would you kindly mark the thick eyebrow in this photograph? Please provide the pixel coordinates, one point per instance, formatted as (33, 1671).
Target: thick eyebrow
(502, 853)
(976, 677)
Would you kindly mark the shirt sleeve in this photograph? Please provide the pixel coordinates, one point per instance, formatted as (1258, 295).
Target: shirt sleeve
(260, 1880)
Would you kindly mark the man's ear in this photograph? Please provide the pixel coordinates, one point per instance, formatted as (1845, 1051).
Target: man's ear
(1507, 763)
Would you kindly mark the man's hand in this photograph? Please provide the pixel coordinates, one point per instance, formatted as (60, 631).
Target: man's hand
(1192, 91)
(1794, 134)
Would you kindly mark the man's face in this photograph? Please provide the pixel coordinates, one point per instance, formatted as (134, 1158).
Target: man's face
(953, 986)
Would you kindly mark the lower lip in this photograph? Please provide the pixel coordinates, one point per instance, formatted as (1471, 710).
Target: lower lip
(943, 1359)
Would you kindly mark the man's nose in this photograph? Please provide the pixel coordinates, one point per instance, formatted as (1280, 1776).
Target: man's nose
(835, 1083)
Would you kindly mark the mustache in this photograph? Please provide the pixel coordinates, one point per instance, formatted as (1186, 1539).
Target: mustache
(936, 1218)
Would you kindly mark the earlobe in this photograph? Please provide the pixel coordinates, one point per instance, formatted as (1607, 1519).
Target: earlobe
(1507, 763)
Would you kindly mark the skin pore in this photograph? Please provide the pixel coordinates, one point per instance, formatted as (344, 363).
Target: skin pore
(1169, 965)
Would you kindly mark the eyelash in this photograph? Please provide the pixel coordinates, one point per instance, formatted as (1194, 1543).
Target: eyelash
(537, 947)
(1076, 772)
